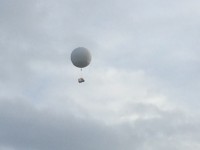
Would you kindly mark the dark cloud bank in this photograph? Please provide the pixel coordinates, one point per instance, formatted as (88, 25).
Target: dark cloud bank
(25, 127)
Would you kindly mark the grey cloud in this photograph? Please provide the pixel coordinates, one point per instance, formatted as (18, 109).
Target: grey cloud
(36, 38)
(25, 127)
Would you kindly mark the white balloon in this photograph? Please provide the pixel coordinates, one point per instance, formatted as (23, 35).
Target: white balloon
(81, 57)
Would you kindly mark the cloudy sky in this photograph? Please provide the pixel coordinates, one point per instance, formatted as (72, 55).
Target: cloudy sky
(141, 90)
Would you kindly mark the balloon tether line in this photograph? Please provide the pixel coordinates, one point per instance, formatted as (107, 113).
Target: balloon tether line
(81, 73)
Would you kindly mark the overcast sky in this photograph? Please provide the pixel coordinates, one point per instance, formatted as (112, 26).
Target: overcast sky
(141, 90)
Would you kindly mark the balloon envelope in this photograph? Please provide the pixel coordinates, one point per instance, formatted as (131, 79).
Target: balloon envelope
(81, 57)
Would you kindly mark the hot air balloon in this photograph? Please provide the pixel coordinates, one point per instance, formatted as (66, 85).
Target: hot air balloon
(81, 58)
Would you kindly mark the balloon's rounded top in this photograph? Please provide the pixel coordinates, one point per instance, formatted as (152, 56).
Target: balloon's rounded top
(81, 57)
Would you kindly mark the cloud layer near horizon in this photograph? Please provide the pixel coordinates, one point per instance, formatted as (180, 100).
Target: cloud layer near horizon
(141, 89)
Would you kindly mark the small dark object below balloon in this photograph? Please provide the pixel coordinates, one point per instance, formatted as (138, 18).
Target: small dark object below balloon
(80, 80)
